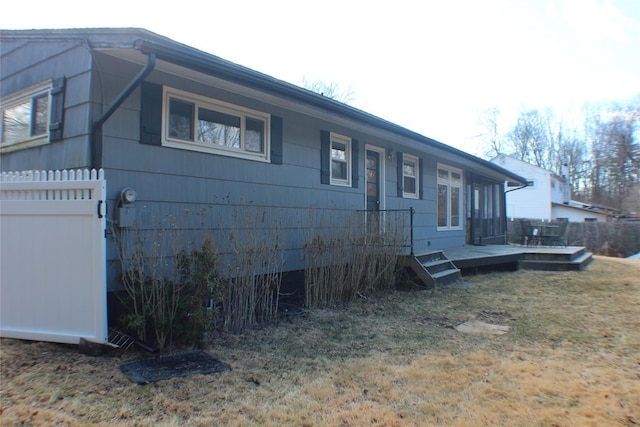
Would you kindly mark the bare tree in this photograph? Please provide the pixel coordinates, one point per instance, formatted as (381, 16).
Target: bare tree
(615, 153)
(601, 160)
(330, 89)
(529, 138)
(491, 141)
(571, 160)
(555, 136)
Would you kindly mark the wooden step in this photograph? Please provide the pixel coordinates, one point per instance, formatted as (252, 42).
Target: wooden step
(437, 266)
(577, 264)
(446, 276)
(432, 269)
(553, 256)
(431, 257)
(416, 267)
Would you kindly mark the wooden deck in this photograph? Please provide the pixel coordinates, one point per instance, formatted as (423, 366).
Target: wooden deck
(469, 258)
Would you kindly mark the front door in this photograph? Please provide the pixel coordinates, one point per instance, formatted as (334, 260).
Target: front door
(373, 180)
(374, 188)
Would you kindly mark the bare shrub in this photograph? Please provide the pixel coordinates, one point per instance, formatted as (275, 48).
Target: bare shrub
(170, 282)
(254, 268)
(347, 254)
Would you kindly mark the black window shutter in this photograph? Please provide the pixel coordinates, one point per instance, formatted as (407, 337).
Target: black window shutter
(325, 157)
(420, 180)
(57, 109)
(400, 182)
(355, 175)
(151, 114)
(276, 140)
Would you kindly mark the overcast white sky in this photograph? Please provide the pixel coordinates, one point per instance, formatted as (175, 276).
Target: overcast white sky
(429, 66)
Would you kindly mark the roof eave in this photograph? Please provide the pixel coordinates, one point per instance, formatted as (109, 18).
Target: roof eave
(210, 64)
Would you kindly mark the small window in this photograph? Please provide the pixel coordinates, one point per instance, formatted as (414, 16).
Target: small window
(410, 173)
(340, 160)
(25, 117)
(204, 124)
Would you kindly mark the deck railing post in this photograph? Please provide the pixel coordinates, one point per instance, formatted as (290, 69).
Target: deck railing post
(411, 212)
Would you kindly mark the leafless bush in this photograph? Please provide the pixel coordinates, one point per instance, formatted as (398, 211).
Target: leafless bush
(347, 254)
(254, 268)
(167, 278)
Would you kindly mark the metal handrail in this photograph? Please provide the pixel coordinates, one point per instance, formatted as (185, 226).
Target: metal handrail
(411, 211)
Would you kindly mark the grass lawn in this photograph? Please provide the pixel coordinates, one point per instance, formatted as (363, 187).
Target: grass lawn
(572, 358)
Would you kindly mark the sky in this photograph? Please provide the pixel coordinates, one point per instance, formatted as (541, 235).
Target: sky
(429, 66)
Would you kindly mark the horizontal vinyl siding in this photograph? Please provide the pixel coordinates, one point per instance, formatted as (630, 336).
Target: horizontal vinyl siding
(28, 63)
(216, 190)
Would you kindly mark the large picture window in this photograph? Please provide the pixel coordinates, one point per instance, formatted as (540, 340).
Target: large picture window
(25, 117)
(449, 198)
(204, 124)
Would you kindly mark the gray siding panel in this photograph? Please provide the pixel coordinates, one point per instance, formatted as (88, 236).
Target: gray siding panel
(78, 90)
(71, 154)
(26, 64)
(36, 62)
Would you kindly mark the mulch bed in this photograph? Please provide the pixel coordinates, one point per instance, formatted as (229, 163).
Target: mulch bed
(150, 370)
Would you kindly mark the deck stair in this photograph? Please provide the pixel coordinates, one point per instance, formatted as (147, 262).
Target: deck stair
(433, 268)
(576, 260)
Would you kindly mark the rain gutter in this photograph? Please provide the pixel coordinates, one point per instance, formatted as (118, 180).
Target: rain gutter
(197, 60)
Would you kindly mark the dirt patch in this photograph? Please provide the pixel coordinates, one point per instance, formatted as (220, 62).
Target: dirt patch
(490, 317)
(478, 327)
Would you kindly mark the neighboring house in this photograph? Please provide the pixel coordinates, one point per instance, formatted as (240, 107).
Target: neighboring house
(186, 130)
(546, 197)
(576, 211)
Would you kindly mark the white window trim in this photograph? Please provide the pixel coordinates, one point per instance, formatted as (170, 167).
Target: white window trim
(223, 107)
(347, 142)
(16, 99)
(460, 196)
(416, 161)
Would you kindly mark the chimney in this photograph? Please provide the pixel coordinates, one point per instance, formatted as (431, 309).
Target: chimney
(566, 185)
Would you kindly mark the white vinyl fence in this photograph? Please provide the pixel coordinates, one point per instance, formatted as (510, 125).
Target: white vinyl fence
(53, 256)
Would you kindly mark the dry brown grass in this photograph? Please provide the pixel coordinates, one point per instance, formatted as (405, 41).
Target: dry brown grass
(571, 359)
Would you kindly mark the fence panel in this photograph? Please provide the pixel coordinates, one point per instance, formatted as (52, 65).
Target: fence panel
(53, 256)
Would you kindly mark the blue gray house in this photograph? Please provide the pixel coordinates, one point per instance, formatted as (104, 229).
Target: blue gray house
(189, 131)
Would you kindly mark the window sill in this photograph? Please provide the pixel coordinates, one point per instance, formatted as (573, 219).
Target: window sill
(24, 144)
(190, 146)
